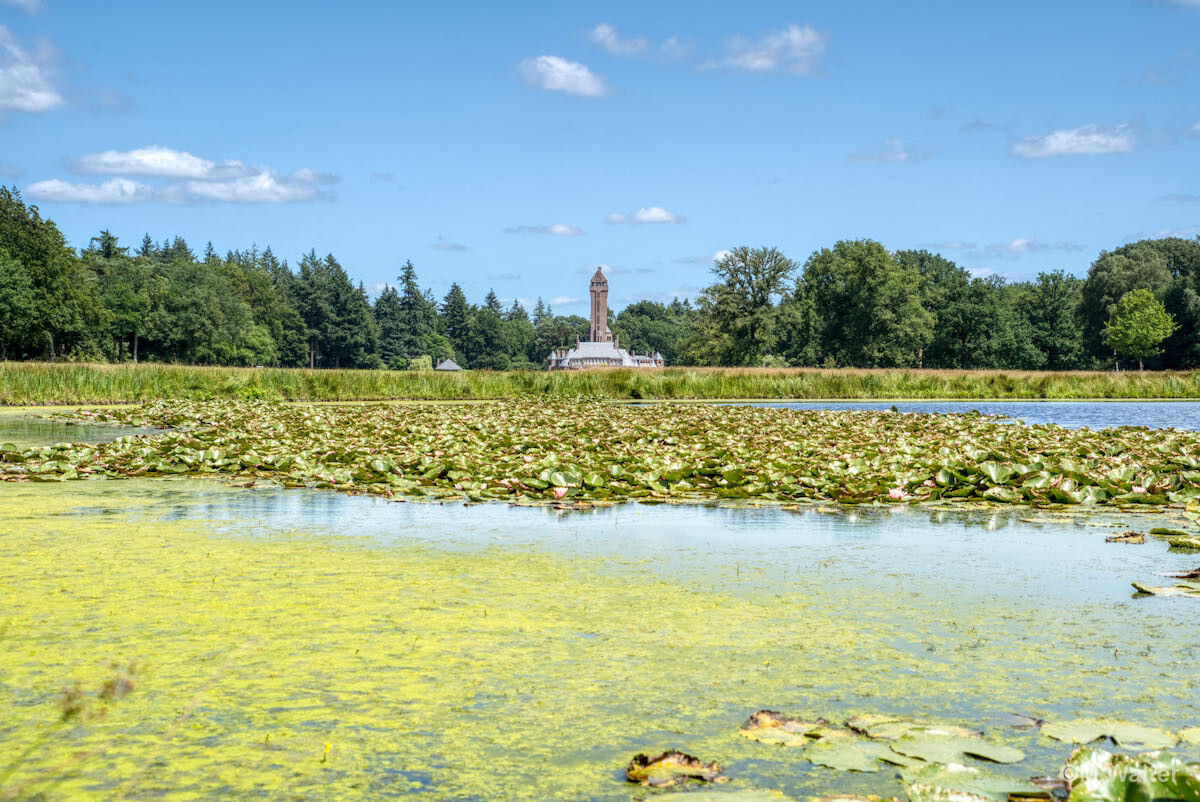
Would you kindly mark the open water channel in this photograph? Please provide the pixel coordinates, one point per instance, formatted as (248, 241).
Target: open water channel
(306, 644)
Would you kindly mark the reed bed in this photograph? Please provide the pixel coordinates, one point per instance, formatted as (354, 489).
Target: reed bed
(24, 383)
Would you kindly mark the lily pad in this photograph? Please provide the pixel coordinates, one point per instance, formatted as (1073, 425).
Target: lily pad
(772, 727)
(1191, 573)
(891, 728)
(1102, 776)
(1190, 589)
(1126, 537)
(957, 783)
(847, 755)
(671, 768)
(935, 748)
(1190, 735)
(1125, 733)
(740, 795)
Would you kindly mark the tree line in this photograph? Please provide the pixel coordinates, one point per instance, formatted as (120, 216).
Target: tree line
(855, 304)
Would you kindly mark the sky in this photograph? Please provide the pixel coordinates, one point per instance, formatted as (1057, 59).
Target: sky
(518, 145)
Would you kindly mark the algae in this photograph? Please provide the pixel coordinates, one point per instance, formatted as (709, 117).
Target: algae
(301, 660)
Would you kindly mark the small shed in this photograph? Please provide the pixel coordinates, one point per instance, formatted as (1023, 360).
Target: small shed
(447, 364)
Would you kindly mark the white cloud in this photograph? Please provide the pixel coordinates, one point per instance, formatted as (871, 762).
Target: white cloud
(952, 245)
(606, 36)
(203, 180)
(1195, 129)
(157, 161)
(560, 300)
(1180, 197)
(1089, 140)
(444, 244)
(1023, 245)
(647, 214)
(893, 152)
(796, 49)
(28, 6)
(656, 214)
(721, 255)
(674, 49)
(112, 191)
(25, 77)
(556, 74)
(262, 187)
(11, 170)
(980, 272)
(306, 175)
(557, 229)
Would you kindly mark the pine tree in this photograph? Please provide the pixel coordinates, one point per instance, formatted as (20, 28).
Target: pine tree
(456, 315)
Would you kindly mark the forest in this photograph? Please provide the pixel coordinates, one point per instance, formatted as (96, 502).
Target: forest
(855, 304)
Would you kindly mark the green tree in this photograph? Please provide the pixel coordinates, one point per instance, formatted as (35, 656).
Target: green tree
(797, 329)
(1050, 305)
(1138, 325)
(16, 303)
(389, 320)
(869, 305)
(741, 303)
(1137, 265)
(456, 316)
(519, 335)
(648, 327)
(487, 345)
(67, 313)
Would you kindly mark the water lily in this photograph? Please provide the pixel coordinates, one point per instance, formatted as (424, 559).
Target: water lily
(896, 494)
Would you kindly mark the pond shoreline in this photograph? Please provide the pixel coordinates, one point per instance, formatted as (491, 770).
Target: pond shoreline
(65, 383)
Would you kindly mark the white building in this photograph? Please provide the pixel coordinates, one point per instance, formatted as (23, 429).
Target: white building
(602, 348)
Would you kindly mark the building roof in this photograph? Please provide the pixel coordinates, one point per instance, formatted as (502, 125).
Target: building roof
(447, 364)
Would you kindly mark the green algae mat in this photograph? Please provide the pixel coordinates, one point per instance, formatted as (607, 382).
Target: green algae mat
(161, 639)
(528, 451)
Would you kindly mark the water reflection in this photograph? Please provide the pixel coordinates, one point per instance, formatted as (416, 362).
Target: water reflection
(26, 432)
(1048, 555)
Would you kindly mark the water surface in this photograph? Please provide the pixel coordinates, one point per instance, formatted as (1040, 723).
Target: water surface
(485, 652)
(1072, 414)
(27, 432)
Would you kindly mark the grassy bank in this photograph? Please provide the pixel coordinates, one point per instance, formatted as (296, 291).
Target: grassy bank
(43, 383)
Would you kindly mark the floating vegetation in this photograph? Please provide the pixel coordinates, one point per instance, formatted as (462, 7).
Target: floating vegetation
(1127, 537)
(1188, 589)
(867, 739)
(526, 451)
(671, 768)
(1100, 776)
(1124, 733)
(958, 783)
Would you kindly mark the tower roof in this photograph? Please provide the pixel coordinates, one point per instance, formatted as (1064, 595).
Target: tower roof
(599, 278)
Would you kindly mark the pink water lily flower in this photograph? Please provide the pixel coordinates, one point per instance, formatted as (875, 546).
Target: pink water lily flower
(896, 493)
(559, 492)
(1138, 489)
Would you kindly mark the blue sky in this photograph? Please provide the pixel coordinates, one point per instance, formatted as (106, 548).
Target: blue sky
(518, 145)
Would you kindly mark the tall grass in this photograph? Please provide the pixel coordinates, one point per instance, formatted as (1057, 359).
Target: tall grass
(48, 383)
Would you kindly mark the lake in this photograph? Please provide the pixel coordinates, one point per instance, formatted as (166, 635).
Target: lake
(1072, 414)
(314, 645)
(319, 645)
